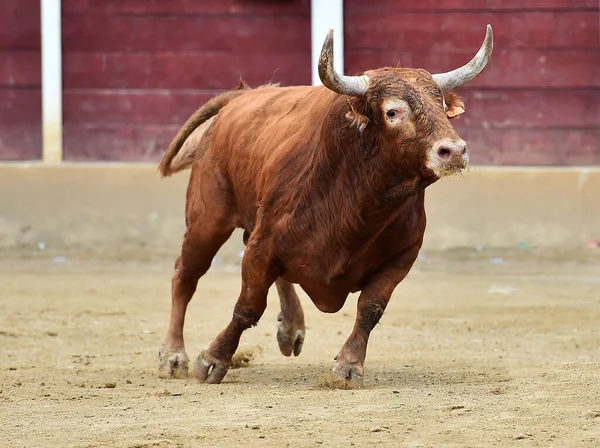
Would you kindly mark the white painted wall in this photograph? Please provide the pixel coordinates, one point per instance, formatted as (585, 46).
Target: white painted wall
(327, 14)
(51, 81)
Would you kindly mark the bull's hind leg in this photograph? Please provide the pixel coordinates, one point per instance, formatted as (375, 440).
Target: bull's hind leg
(258, 274)
(210, 222)
(291, 330)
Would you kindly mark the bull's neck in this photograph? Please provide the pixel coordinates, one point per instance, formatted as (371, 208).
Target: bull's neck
(365, 191)
(353, 201)
(377, 186)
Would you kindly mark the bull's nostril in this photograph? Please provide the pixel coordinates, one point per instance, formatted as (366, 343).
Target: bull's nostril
(444, 153)
(464, 151)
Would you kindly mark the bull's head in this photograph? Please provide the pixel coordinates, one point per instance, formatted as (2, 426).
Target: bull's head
(410, 107)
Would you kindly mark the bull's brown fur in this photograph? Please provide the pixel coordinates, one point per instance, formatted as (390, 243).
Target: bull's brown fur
(330, 196)
(203, 114)
(189, 143)
(194, 146)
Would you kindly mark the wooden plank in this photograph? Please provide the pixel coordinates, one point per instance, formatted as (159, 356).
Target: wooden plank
(212, 71)
(20, 68)
(496, 109)
(185, 7)
(519, 109)
(533, 146)
(538, 68)
(513, 68)
(116, 142)
(20, 141)
(457, 32)
(468, 5)
(498, 147)
(500, 109)
(142, 107)
(151, 33)
(20, 25)
(20, 106)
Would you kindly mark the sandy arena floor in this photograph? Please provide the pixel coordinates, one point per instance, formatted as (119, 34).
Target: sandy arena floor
(470, 352)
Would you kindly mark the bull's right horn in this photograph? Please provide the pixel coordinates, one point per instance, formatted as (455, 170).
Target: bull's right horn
(468, 72)
(344, 85)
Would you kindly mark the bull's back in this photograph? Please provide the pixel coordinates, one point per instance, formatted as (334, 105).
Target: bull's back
(266, 137)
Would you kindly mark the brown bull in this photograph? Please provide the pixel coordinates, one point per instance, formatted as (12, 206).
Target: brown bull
(328, 184)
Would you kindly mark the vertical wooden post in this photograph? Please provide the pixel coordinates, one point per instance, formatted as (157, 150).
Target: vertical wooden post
(326, 14)
(51, 81)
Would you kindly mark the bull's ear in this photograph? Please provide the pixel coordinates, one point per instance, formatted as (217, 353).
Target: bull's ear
(454, 104)
(357, 120)
(358, 115)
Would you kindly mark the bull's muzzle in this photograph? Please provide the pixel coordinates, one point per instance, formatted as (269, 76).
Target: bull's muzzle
(448, 157)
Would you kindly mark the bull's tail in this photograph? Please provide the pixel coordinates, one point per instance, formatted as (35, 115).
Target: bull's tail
(203, 114)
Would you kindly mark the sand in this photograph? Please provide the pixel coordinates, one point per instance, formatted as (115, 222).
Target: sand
(470, 352)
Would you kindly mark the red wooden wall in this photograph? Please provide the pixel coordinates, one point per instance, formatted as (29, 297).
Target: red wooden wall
(20, 80)
(537, 102)
(134, 70)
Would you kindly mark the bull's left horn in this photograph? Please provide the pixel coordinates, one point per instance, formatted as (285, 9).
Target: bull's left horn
(456, 78)
(344, 85)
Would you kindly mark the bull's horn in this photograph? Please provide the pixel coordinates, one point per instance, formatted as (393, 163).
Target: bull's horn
(456, 78)
(344, 85)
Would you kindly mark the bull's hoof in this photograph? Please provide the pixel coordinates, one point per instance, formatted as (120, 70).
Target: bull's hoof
(290, 337)
(349, 371)
(173, 365)
(208, 369)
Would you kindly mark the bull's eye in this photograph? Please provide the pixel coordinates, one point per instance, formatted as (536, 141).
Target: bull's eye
(391, 113)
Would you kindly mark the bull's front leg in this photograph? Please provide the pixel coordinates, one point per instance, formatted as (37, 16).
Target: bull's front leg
(258, 274)
(349, 363)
